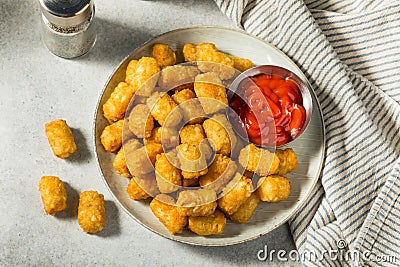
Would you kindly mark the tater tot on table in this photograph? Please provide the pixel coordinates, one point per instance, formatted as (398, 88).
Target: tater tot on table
(60, 138)
(53, 193)
(91, 212)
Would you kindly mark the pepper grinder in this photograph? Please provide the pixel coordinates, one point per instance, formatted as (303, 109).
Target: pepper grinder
(68, 26)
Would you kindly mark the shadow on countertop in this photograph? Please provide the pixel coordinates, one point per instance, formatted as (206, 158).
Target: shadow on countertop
(83, 152)
(112, 226)
(71, 213)
(114, 42)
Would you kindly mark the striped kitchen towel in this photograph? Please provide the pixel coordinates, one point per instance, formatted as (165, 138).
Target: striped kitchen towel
(350, 52)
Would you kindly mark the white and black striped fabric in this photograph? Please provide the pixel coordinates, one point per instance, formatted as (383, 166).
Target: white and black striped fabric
(350, 52)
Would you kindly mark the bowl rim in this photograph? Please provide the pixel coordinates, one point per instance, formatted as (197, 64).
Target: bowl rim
(274, 226)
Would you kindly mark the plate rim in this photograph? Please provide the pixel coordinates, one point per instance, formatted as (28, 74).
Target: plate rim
(276, 225)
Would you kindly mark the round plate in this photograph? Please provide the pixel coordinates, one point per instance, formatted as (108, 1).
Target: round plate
(310, 147)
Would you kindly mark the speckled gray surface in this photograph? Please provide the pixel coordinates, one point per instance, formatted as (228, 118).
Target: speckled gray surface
(37, 87)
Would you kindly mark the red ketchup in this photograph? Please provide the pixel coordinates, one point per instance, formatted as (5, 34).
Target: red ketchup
(273, 113)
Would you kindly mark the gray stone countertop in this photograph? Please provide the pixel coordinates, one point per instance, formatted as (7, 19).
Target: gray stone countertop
(37, 87)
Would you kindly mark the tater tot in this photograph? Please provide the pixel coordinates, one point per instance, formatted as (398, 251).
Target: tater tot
(210, 59)
(258, 160)
(164, 55)
(119, 164)
(191, 182)
(130, 72)
(223, 71)
(163, 208)
(162, 107)
(192, 162)
(140, 121)
(246, 210)
(248, 174)
(207, 225)
(135, 191)
(219, 173)
(53, 193)
(235, 193)
(190, 106)
(220, 134)
(168, 177)
(111, 137)
(183, 95)
(143, 75)
(211, 92)
(190, 52)
(169, 137)
(287, 160)
(178, 76)
(137, 159)
(242, 64)
(155, 136)
(192, 134)
(60, 138)
(115, 106)
(91, 212)
(273, 188)
(201, 202)
(153, 149)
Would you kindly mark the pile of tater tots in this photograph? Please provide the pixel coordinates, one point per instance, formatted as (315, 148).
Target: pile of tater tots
(172, 138)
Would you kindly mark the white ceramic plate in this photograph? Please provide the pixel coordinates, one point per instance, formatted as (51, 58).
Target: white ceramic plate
(310, 147)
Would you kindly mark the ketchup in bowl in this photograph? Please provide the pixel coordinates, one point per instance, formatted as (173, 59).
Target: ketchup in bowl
(270, 107)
